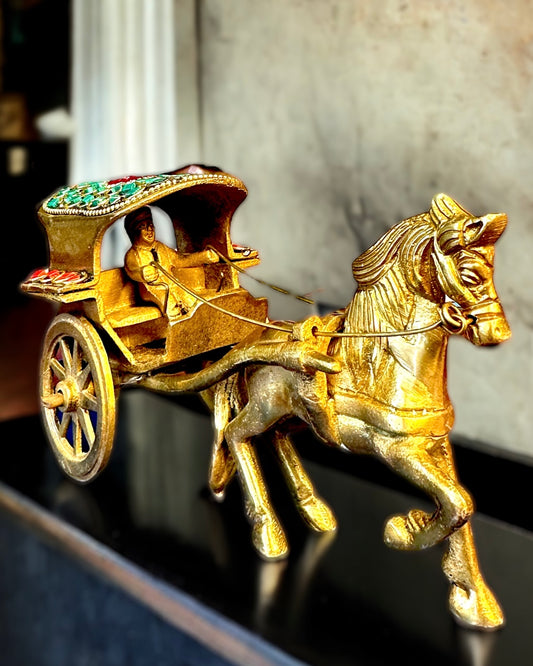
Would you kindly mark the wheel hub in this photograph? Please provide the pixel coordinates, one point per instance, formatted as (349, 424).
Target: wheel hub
(69, 390)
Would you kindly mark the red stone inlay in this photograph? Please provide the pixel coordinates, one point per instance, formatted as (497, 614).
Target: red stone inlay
(46, 276)
(124, 179)
(38, 272)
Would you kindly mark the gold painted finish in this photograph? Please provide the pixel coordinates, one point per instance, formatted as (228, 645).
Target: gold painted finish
(384, 392)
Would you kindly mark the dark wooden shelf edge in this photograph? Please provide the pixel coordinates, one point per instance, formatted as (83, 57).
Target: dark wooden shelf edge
(220, 635)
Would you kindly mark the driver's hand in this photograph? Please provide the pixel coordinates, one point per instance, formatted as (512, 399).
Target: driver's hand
(149, 274)
(212, 257)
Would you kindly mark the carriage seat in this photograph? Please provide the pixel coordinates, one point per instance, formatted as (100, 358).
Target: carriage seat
(121, 300)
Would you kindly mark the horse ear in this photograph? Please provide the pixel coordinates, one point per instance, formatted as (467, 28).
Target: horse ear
(444, 208)
(449, 218)
(484, 230)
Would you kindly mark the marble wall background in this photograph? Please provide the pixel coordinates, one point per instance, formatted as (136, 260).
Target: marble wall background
(345, 116)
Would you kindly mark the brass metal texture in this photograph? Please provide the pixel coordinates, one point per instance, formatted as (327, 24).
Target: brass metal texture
(112, 322)
(368, 379)
(78, 397)
(429, 277)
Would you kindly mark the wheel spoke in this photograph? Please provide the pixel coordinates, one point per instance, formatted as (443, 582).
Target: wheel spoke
(83, 376)
(88, 401)
(67, 357)
(63, 427)
(76, 436)
(84, 420)
(76, 361)
(57, 368)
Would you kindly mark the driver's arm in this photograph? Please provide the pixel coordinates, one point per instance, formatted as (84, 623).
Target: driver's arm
(137, 272)
(195, 259)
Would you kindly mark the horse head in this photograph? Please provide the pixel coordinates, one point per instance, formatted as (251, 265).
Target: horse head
(463, 256)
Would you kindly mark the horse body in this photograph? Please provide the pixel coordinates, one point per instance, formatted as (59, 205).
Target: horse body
(431, 273)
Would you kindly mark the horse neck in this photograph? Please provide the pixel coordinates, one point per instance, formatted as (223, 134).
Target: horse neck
(416, 362)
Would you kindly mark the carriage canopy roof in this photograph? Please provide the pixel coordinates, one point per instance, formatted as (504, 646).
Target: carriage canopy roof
(76, 217)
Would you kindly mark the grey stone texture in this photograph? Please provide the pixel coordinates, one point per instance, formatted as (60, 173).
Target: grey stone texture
(344, 117)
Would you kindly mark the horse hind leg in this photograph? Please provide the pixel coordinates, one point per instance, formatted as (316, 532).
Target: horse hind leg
(268, 536)
(315, 512)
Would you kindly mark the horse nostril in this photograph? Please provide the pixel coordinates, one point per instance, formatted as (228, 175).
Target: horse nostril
(502, 332)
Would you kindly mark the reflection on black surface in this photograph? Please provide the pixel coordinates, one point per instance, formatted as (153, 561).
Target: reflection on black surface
(269, 580)
(476, 647)
(339, 599)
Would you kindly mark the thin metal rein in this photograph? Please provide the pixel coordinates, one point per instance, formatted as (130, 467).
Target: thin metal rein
(319, 333)
(267, 284)
(217, 307)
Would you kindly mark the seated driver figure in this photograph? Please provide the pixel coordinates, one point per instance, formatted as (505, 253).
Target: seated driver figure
(153, 284)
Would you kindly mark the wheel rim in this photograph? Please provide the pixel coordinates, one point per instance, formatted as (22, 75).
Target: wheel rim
(77, 395)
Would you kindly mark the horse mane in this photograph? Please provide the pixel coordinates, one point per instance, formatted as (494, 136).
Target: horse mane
(389, 274)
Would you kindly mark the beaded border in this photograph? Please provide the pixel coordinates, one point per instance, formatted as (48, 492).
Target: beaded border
(170, 181)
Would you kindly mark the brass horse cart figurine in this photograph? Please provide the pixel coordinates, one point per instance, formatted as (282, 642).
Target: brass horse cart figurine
(369, 379)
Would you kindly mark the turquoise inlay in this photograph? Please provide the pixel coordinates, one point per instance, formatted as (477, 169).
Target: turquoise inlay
(129, 189)
(95, 195)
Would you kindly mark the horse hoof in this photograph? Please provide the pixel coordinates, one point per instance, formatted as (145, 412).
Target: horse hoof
(218, 495)
(476, 609)
(407, 532)
(269, 540)
(317, 514)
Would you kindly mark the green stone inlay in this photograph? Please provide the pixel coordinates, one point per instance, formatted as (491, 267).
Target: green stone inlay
(93, 195)
(154, 179)
(129, 189)
(72, 198)
(97, 186)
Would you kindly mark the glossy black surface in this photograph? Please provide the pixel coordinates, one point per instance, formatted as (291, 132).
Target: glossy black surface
(341, 600)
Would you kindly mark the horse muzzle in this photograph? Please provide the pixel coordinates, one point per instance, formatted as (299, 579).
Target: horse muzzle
(488, 325)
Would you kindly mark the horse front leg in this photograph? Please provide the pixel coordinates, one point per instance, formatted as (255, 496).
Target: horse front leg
(268, 536)
(315, 512)
(410, 457)
(471, 600)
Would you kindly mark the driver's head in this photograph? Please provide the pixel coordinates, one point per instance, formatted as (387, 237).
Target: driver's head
(136, 221)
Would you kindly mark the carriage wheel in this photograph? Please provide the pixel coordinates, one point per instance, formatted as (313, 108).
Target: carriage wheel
(77, 396)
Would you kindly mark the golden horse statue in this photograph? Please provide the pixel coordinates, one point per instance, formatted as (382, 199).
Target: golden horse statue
(370, 379)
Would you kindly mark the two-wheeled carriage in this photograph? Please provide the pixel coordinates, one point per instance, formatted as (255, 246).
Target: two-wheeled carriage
(104, 329)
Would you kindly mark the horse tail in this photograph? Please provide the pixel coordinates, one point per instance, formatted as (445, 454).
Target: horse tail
(296, 356)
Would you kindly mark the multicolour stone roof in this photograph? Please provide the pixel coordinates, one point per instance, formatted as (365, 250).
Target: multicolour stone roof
(106, 196)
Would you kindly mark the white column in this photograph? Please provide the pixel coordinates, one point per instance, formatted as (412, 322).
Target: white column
(126, 85)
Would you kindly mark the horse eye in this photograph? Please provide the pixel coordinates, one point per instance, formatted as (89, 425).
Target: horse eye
(471, 278)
